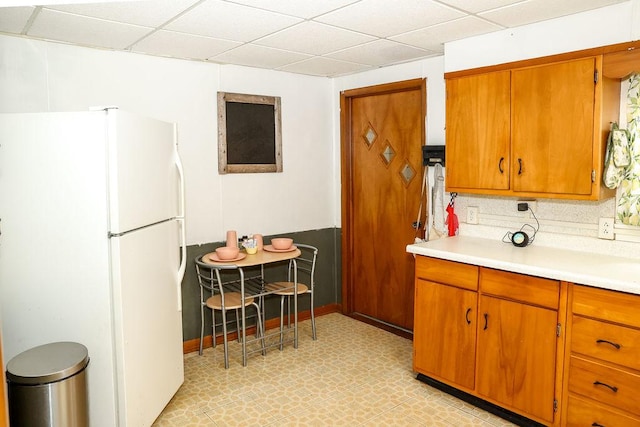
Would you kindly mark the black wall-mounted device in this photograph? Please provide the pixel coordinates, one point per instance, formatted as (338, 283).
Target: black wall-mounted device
(432, 154)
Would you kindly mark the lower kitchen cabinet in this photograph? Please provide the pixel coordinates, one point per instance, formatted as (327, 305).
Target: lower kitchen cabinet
(603, 380)
(492, 334)
(517, 356)
(447, 352)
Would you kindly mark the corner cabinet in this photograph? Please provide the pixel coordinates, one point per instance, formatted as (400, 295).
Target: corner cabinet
(491, 334)
(537, 131)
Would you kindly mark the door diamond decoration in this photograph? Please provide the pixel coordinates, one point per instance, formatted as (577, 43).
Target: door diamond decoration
(408, 173)
(370, 136)
(388, 154)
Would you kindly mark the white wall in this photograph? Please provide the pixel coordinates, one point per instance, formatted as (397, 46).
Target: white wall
(41, 76)
(599, 27)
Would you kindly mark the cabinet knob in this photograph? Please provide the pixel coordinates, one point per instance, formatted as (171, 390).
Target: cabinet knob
(500, 165)
(519, 166)
(466, 316)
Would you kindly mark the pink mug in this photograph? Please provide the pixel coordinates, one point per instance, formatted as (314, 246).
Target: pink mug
(232, 239)
(258, 239)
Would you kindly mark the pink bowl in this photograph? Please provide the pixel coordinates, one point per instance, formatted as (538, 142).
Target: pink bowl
(227, 252)
(281, 243)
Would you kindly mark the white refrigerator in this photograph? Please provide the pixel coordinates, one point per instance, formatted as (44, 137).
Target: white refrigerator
(92, 250)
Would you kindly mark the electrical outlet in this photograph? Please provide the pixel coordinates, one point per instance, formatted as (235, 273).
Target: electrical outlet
(605, 229)
(472, 215)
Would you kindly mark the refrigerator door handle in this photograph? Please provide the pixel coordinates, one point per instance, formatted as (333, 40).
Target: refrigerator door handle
(181, 219)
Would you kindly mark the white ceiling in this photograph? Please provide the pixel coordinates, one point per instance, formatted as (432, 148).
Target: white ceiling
(316, 37)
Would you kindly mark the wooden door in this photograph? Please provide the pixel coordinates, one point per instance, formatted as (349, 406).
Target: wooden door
(444, 333)
(382, 138)
(517, 355)
(478, 131)
(552, 128)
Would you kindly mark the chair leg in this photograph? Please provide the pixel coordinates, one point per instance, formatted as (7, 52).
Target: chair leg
(281, 321)
(260, 329)
(288, 312)
(201, 329)
(213, 328)
(224, 339)
(238, 326)
(313, 320)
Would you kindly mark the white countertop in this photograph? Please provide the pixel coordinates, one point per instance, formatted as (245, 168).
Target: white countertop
(602, 271)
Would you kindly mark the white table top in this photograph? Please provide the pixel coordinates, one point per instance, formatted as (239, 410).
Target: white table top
(602, 271)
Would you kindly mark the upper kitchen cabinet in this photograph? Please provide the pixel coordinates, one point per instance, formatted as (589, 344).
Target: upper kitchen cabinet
(531, 130)
(478, 126)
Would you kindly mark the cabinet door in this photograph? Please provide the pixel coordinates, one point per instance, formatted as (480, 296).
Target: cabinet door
(444, 332)
(553, 127)
(477, 131)
(516, 355)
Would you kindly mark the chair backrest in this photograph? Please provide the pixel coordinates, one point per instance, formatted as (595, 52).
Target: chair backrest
(306, 265)
(206, 277)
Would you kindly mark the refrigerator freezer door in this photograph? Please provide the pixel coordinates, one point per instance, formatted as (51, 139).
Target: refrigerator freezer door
(148, 327)
(143, 177)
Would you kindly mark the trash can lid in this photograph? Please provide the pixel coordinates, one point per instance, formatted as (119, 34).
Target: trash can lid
(48, 363)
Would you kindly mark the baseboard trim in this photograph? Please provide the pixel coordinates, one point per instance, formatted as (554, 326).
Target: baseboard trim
(194, 345)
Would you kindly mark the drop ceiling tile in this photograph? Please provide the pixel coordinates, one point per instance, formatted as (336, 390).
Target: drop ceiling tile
(66, 27)
(434, 37)
(478, 5)
(381, 52)
(13, 19)
(326, 67)
(314, 38)
(215, 18)
(531, 11)
(146, 13)
(377, 18)
(302, 8)
(180, 45)
(258, 56)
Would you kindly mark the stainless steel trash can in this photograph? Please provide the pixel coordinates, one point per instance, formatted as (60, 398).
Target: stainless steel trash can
(48, 386)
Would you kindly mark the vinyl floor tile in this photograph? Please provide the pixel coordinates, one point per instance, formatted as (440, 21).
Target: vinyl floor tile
(353, 375)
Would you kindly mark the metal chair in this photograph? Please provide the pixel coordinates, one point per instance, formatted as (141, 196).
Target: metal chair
(214, 296)
(306, 267)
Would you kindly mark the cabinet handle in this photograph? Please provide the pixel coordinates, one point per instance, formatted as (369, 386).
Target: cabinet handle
(500, 165)
(486, 321)
(612, 388)
(519, 166)
(617, 346)
(466, 316)
(595, 424)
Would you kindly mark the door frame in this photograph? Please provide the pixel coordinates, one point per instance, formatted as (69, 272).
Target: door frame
(346, 162)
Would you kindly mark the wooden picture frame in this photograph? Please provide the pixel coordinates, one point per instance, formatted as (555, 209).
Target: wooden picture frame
(249, 133)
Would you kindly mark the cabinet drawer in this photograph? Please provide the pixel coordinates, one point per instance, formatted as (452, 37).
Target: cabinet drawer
(584, 413)
(606, 341)
(611, 386)
(448, 272)
(608, 305)
(520, 287)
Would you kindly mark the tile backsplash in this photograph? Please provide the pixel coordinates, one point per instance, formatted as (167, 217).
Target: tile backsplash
(566, 224)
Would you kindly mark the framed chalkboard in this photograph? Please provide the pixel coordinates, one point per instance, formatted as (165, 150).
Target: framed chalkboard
(249, 135)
